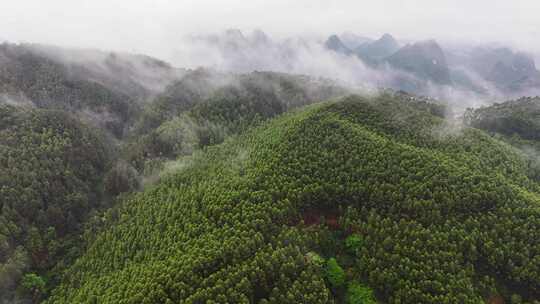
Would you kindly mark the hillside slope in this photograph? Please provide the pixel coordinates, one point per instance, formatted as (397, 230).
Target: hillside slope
(56, 171)
(263, 217)
(205, 107)
(516, 122)
(51, 169)
(104, 89)
(516, 117)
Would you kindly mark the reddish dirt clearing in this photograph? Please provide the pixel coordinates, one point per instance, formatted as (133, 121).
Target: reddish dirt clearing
(313, 217)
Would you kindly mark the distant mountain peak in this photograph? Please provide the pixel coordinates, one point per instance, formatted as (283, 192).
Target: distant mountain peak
(259, 37)
(424, 59)
(335, 44)
(517, 73)
(387, 37)
(383, 47)
(352, 40)
(334, 39)
(427, 48)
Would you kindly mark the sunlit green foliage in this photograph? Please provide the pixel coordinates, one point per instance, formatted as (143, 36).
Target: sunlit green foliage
(334, 273)
(33, 285)
(359, 294)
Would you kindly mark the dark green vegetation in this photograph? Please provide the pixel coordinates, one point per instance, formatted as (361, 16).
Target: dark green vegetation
(51, 169)
(58, 175)
(516, 122)
(519, 117)
(53, 161)
(46, 83)
(356, 200)
(319, 204)
(106, 91)
(204, 108)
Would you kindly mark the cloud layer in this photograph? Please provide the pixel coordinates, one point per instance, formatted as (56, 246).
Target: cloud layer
(155, 26)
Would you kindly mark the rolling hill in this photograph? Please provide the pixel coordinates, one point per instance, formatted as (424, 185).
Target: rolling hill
(516, 122)
(353, 200)
(125, 180)
(519, 117)
(59, 170)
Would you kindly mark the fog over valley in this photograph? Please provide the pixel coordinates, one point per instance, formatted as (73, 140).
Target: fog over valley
(478, 61)
(269, 152)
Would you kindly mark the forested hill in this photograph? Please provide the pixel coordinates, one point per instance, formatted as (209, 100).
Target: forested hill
(516, 122)
(61, 168)
(104, 89)
(51, 171)
(516, 117)
(358, 200)
(204, 107)
(125, 180)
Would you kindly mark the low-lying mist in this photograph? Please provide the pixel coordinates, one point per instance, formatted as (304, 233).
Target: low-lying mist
(473, 69)
(478, 74)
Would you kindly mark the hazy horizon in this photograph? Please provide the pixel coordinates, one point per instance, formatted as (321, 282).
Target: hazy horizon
(157, 28)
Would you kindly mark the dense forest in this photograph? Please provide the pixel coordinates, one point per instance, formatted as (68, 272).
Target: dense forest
(68, 153)
(516, 122)
(355, 201)
(106, 92)
(124, 180)
(519, 117)
(51, 170)
(205, 107)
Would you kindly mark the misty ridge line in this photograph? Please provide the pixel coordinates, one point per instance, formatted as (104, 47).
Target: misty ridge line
(464, 76)
(162, 115)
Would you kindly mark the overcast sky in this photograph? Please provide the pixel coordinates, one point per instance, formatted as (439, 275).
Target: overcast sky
(156, 26)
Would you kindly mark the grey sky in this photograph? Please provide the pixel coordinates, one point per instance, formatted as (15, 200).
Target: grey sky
(156, 26)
